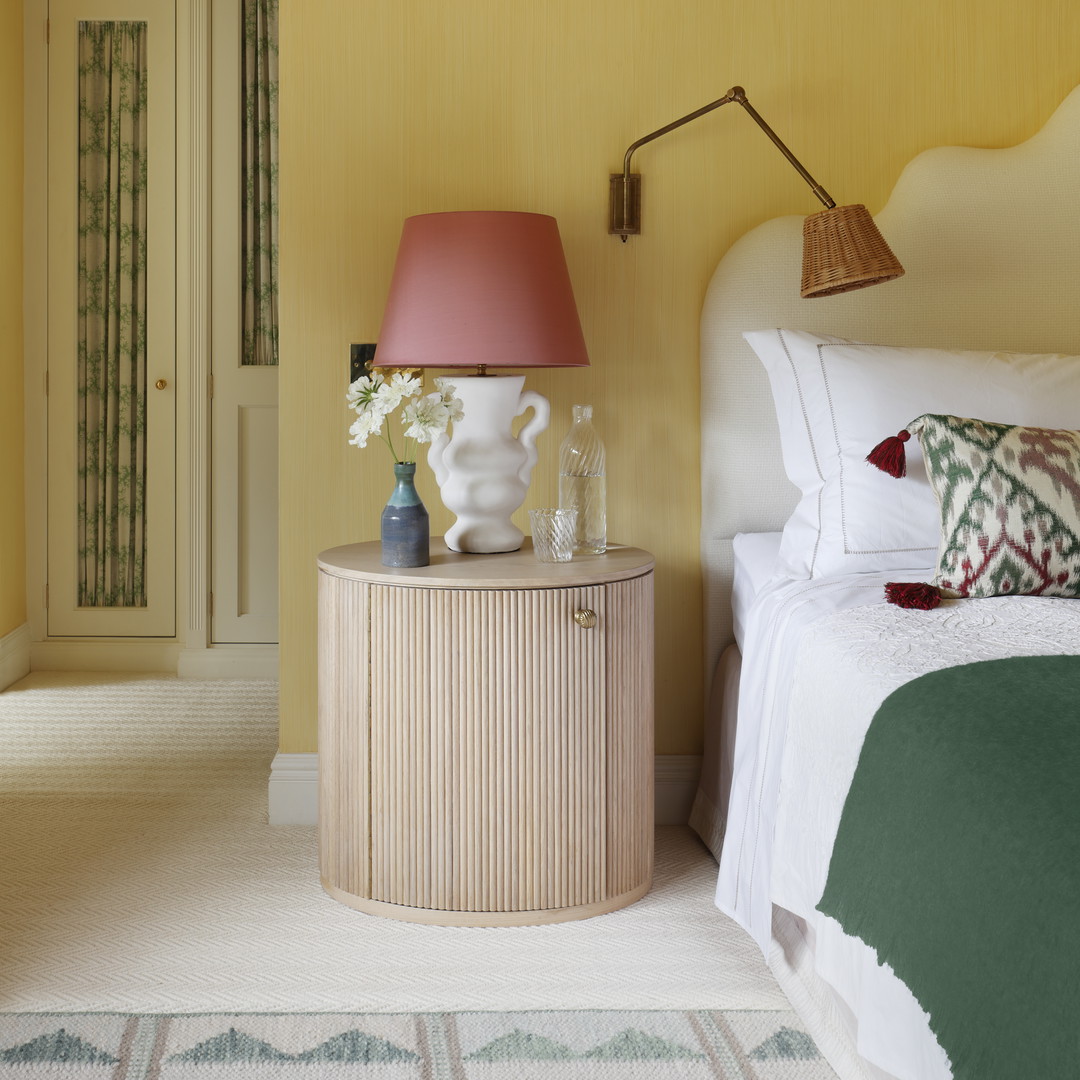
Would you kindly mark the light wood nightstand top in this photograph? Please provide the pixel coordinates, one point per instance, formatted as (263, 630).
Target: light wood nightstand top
(508, 570)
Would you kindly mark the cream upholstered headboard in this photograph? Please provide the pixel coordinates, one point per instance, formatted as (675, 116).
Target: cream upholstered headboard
(990, 240)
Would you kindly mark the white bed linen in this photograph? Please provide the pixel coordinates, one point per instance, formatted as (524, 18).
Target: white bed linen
(806, 702)
(756, 559)
(784, 612)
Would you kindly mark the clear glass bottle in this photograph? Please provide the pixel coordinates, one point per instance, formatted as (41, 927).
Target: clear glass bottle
(583, 484)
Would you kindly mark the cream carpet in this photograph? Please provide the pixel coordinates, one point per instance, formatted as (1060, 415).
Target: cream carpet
(138, 874)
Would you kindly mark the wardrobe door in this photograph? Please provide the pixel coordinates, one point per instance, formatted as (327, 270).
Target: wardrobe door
(111, 318)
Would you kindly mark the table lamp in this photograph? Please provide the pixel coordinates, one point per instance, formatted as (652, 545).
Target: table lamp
(476, 290)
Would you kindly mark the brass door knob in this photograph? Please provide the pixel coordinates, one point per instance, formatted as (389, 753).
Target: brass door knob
(585, 618)
(161, 384)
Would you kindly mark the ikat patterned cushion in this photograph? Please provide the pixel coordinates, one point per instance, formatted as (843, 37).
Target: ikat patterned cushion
(1010, 505)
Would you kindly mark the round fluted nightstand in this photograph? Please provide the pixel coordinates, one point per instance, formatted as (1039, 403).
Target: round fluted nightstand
(486, 734)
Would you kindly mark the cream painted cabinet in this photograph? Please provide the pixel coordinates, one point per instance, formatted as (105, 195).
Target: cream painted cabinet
(485, 735)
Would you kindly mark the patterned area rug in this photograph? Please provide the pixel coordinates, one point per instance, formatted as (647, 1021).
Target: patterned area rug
(697, 1045)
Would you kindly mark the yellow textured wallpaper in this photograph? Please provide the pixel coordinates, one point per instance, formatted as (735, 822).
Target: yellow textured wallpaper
(399, 107)
(12, 515)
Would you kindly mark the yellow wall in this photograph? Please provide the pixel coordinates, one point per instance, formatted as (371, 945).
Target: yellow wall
(398, 107)
(12, 517)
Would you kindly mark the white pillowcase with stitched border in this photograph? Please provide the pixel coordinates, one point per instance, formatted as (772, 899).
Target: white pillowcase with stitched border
(836, 400)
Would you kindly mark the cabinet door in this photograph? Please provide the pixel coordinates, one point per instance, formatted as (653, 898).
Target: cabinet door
(487, 748)
(111, 310)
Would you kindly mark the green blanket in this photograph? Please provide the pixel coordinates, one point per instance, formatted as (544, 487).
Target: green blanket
(958, 860)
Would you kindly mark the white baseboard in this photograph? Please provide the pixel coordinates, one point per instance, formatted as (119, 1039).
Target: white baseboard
(676, 779)
(14, 655)
(229, 662)
(294, 788)
(105, 655)
(110, 654)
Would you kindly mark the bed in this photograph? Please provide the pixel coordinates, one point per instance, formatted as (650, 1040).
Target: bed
(803, 654)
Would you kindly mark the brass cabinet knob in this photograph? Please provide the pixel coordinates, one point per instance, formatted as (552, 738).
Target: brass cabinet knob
(585, 618)
(161, 384)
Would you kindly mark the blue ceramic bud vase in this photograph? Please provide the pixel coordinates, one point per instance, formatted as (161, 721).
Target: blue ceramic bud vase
(405, 532)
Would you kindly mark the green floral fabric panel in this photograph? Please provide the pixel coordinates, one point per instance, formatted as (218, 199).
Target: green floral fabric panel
(1010, 506)
(112, 314)
(259, 181)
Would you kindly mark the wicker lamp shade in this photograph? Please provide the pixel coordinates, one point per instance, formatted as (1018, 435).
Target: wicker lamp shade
(843, 250)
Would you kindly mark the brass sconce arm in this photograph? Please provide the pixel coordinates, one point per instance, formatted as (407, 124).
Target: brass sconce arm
(625, 201)
(728, 97)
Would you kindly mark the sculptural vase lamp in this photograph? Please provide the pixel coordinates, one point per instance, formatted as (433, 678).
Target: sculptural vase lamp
(473, 291)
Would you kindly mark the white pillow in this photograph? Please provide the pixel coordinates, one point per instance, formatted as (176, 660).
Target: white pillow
(835, 400)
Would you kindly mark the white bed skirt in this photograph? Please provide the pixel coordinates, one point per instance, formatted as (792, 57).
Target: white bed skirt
(709, 812)
(828, 1020)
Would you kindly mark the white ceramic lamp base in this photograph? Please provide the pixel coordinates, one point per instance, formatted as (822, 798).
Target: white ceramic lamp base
(483, 471)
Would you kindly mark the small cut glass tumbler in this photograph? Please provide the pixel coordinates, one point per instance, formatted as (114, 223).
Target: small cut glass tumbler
(553, 534)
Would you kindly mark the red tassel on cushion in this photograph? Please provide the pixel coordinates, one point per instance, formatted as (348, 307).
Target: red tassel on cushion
(912, 594)
(889, 455)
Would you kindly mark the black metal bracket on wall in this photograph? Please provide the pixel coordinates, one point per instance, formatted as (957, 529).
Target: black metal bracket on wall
(360, 358)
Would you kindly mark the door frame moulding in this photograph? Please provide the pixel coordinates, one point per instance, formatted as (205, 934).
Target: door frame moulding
(191, 645)
(35, 302)
(193, 331)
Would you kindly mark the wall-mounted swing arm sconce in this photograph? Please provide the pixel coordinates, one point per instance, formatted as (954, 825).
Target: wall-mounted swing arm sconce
(842, 248)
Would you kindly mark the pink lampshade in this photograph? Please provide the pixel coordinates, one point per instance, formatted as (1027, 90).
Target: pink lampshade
(481, 287)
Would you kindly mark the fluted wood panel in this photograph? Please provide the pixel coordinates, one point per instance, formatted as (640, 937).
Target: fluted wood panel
(629, 805)
(343, 735)
(487, 766)
(506, 751)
